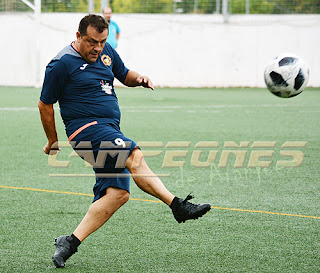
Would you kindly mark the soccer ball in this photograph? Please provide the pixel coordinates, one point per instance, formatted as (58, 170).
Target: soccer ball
(286, 75)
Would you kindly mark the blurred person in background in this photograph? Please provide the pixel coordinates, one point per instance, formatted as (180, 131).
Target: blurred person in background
(114, 30)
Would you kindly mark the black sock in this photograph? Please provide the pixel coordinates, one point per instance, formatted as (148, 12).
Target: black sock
(174, 202)
(73, 240)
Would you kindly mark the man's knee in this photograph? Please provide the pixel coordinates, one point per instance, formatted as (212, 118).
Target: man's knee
(121, 196)
(124, 198)
(135, 159)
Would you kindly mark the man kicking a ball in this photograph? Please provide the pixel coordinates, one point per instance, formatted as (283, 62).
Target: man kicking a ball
(81, 78)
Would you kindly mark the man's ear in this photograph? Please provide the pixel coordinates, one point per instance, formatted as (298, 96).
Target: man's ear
(78, 35)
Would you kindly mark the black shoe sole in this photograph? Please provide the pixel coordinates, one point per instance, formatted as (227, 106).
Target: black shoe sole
(200, 214)
(57, 263)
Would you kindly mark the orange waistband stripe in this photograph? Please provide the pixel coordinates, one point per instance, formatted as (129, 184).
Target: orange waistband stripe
(81, 129)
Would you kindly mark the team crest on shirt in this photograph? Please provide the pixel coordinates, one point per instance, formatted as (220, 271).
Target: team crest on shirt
(106, 60)
(106, 88)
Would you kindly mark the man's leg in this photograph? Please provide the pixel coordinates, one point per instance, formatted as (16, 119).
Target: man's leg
(147, 181)
(98, 213)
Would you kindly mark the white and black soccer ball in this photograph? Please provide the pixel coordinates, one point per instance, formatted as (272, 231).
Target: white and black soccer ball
(286, 75)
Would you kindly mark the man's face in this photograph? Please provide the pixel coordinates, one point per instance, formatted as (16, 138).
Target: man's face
(91, 44)
(107, 14)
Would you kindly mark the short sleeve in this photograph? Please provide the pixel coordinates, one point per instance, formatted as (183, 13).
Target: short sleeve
(54, 81)
(119, 70)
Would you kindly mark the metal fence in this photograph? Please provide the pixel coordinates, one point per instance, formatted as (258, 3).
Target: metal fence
(167, 6)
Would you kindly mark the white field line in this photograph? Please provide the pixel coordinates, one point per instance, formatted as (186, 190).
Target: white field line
(214, 106)
(172, 108)
(18, 109)
(150, 110)
(309, 111)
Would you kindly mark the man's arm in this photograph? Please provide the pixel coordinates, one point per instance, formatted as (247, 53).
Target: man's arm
(48, 123)
(135, 79)
(117, 32)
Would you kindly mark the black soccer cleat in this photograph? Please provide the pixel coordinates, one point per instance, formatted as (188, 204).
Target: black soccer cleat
(64, 250)
(183, 210)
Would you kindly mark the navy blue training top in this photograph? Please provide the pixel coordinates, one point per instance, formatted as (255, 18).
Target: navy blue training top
(84, 91)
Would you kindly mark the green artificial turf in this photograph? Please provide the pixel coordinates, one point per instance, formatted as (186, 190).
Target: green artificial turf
(143, 236)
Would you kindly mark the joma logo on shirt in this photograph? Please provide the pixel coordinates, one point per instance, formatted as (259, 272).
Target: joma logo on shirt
(83, 67)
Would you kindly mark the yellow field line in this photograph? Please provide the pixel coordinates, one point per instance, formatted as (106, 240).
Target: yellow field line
(30, 189)
(155, 201)
(268, 212)
(68, 192)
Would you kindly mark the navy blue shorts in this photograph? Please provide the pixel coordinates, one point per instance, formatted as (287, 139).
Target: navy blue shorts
(104, 146)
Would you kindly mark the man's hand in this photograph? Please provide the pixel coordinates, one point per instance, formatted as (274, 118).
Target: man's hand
(145, 82)
(51, 148)
(135, 79)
